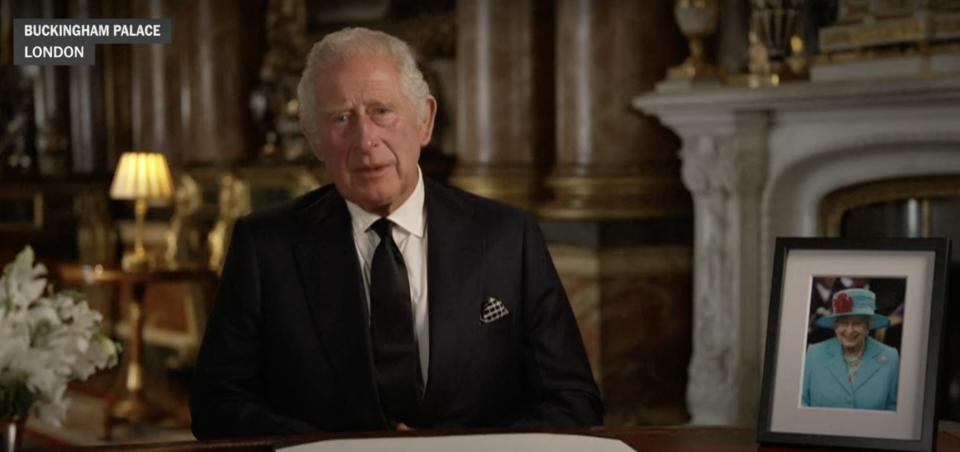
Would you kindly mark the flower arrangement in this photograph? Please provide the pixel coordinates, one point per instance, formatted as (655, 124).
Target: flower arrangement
(47, 339)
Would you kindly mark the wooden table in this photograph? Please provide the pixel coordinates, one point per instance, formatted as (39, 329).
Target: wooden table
(130, 404)
(653, 439)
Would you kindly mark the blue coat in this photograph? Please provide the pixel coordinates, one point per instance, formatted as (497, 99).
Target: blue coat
(825, 382)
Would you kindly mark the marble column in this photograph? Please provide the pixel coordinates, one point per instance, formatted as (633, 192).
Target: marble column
(190, 97)
(632, 305)
(612, 162)
(155, 108)
(221, 68)
(618, 206)
(86, 107)
(724, 166)
(51, 104)
(115, 61)
(504, 98)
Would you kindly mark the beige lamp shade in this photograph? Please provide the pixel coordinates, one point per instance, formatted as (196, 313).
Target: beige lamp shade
(142, 175)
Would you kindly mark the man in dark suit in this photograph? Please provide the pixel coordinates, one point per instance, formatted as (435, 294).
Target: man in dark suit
(386, 300)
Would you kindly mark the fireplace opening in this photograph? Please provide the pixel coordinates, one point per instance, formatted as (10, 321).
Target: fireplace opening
(908, 207)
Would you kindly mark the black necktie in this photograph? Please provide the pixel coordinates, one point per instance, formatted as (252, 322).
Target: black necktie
(391, 328)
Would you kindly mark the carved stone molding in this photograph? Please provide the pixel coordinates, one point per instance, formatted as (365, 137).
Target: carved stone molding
(724, 167)
(730, 159)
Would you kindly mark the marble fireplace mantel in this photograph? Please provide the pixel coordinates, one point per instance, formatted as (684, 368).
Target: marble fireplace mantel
(758, 161)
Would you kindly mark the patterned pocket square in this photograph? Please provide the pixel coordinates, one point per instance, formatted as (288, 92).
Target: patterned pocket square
(493, 310)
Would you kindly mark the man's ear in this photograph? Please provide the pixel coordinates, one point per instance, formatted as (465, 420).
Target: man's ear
(426, 126)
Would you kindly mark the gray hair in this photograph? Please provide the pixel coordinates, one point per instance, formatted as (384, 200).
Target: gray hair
(338, 45)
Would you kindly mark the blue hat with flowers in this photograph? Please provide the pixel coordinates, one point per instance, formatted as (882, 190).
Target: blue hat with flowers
(851, 302)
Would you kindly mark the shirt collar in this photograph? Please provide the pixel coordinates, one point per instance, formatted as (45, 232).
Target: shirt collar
(409, 216)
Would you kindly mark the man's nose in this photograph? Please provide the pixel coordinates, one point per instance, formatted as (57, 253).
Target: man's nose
(365, 133)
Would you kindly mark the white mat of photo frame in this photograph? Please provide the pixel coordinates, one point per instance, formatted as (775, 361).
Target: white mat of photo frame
(787, 415)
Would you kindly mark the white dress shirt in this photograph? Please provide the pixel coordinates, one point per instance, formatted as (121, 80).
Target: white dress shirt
(410, 234)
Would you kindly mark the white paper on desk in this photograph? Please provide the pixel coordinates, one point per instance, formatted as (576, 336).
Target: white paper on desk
(517, 442)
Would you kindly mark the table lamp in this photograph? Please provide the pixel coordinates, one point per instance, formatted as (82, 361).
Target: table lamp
(142, 177)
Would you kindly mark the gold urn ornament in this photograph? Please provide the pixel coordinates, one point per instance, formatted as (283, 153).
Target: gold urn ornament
(697, 20)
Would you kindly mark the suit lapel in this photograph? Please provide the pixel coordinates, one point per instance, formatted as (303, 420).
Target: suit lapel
(837, 367)
(454, 256)
(330, 274)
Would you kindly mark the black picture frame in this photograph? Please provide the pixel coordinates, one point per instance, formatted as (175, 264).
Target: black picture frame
(922, 264)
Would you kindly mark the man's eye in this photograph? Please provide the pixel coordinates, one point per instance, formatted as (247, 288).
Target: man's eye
(382, 115)
(339, 118)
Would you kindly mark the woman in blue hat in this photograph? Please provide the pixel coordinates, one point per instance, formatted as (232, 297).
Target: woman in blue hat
(851, 369)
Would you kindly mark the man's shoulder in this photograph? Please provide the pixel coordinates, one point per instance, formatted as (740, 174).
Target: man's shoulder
(477, 206)
(439, 195)
(286, 211)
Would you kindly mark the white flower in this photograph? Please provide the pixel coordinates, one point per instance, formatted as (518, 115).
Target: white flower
(45, 341)
(22, 281)
(55, 408)
(16, 341)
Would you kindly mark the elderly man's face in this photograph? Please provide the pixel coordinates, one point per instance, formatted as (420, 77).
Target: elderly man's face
(369, 134)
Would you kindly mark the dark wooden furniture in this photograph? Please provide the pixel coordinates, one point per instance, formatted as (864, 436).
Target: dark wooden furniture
(659, 439)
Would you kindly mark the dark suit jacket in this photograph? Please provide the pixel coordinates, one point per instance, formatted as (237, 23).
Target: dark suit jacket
(287, 349)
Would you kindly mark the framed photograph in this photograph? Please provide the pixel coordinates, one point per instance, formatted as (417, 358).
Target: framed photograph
(854, 342)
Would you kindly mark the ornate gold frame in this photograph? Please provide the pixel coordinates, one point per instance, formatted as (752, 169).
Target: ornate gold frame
(838, 202)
